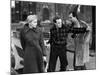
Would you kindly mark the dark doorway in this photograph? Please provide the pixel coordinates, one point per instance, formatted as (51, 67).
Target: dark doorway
(45, 14)
(24, 16)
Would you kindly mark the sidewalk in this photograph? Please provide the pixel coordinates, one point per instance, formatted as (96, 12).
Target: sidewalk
(91, 65)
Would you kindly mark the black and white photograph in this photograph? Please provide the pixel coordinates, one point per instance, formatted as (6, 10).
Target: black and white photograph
(50, 37)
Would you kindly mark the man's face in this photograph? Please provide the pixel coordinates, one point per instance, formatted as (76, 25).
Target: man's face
(59, 23)
(70, 16)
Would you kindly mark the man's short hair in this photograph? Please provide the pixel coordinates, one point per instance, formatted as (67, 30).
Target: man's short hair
(55, 18)
(74, 14)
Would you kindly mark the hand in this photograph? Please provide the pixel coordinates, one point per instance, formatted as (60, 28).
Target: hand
(44, 58)
(73, 36)
(47, 42)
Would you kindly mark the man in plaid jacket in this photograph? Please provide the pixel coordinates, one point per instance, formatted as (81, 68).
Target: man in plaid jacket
(58, 42)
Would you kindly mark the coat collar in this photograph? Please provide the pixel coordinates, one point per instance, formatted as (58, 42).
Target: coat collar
(26, 28)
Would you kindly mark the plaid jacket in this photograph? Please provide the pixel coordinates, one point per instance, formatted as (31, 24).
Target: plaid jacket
(58, 36)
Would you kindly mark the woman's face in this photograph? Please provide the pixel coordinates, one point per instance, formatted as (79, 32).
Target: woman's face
(33, 23)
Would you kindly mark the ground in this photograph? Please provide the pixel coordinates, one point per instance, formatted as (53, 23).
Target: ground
(91, 65)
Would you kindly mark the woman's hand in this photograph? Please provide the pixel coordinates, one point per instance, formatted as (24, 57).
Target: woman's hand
(44, 58)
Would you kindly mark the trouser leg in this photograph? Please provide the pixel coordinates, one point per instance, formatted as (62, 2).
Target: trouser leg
(52, 59)
(83, 67)
(63, 59)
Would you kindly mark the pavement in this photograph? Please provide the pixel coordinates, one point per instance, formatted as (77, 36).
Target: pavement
(91, 65)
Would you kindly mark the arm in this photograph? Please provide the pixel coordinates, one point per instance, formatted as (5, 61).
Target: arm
(75, 30)
(78, 30)
(84, 22)
(22, 39)
(41, 41)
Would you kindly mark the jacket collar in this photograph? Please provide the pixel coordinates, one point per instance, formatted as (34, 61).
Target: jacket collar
(26, 28)
(54, 27)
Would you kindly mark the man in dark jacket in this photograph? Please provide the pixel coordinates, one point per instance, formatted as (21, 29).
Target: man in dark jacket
(58, 42)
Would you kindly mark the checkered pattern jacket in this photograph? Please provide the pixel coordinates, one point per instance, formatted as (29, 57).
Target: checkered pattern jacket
(58, 36)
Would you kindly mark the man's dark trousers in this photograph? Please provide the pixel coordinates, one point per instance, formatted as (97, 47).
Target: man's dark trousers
(57, 51)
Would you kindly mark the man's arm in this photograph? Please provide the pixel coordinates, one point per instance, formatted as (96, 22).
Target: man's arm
(78, 30)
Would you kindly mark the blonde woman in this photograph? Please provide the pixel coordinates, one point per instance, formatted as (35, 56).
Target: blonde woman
(33, 45)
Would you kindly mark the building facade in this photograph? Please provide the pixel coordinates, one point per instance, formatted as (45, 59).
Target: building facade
(46, 11)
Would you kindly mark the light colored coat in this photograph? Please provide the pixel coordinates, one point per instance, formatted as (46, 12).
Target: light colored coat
(82, 48)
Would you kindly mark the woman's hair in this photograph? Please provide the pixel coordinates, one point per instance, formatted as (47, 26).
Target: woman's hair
(31, 18)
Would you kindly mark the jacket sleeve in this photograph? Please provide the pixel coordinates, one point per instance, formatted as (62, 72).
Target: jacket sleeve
(77, 30)
(41, 41)
(22, 40)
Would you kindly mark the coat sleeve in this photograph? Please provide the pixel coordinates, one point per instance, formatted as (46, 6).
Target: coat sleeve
(41, 41)
(22, 41)
(50, 40)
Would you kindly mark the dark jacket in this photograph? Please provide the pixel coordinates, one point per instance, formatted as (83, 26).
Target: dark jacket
(58, 36)
(33, 45)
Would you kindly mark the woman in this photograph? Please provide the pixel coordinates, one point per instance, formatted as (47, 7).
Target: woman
(81, 42)
(33, 45)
